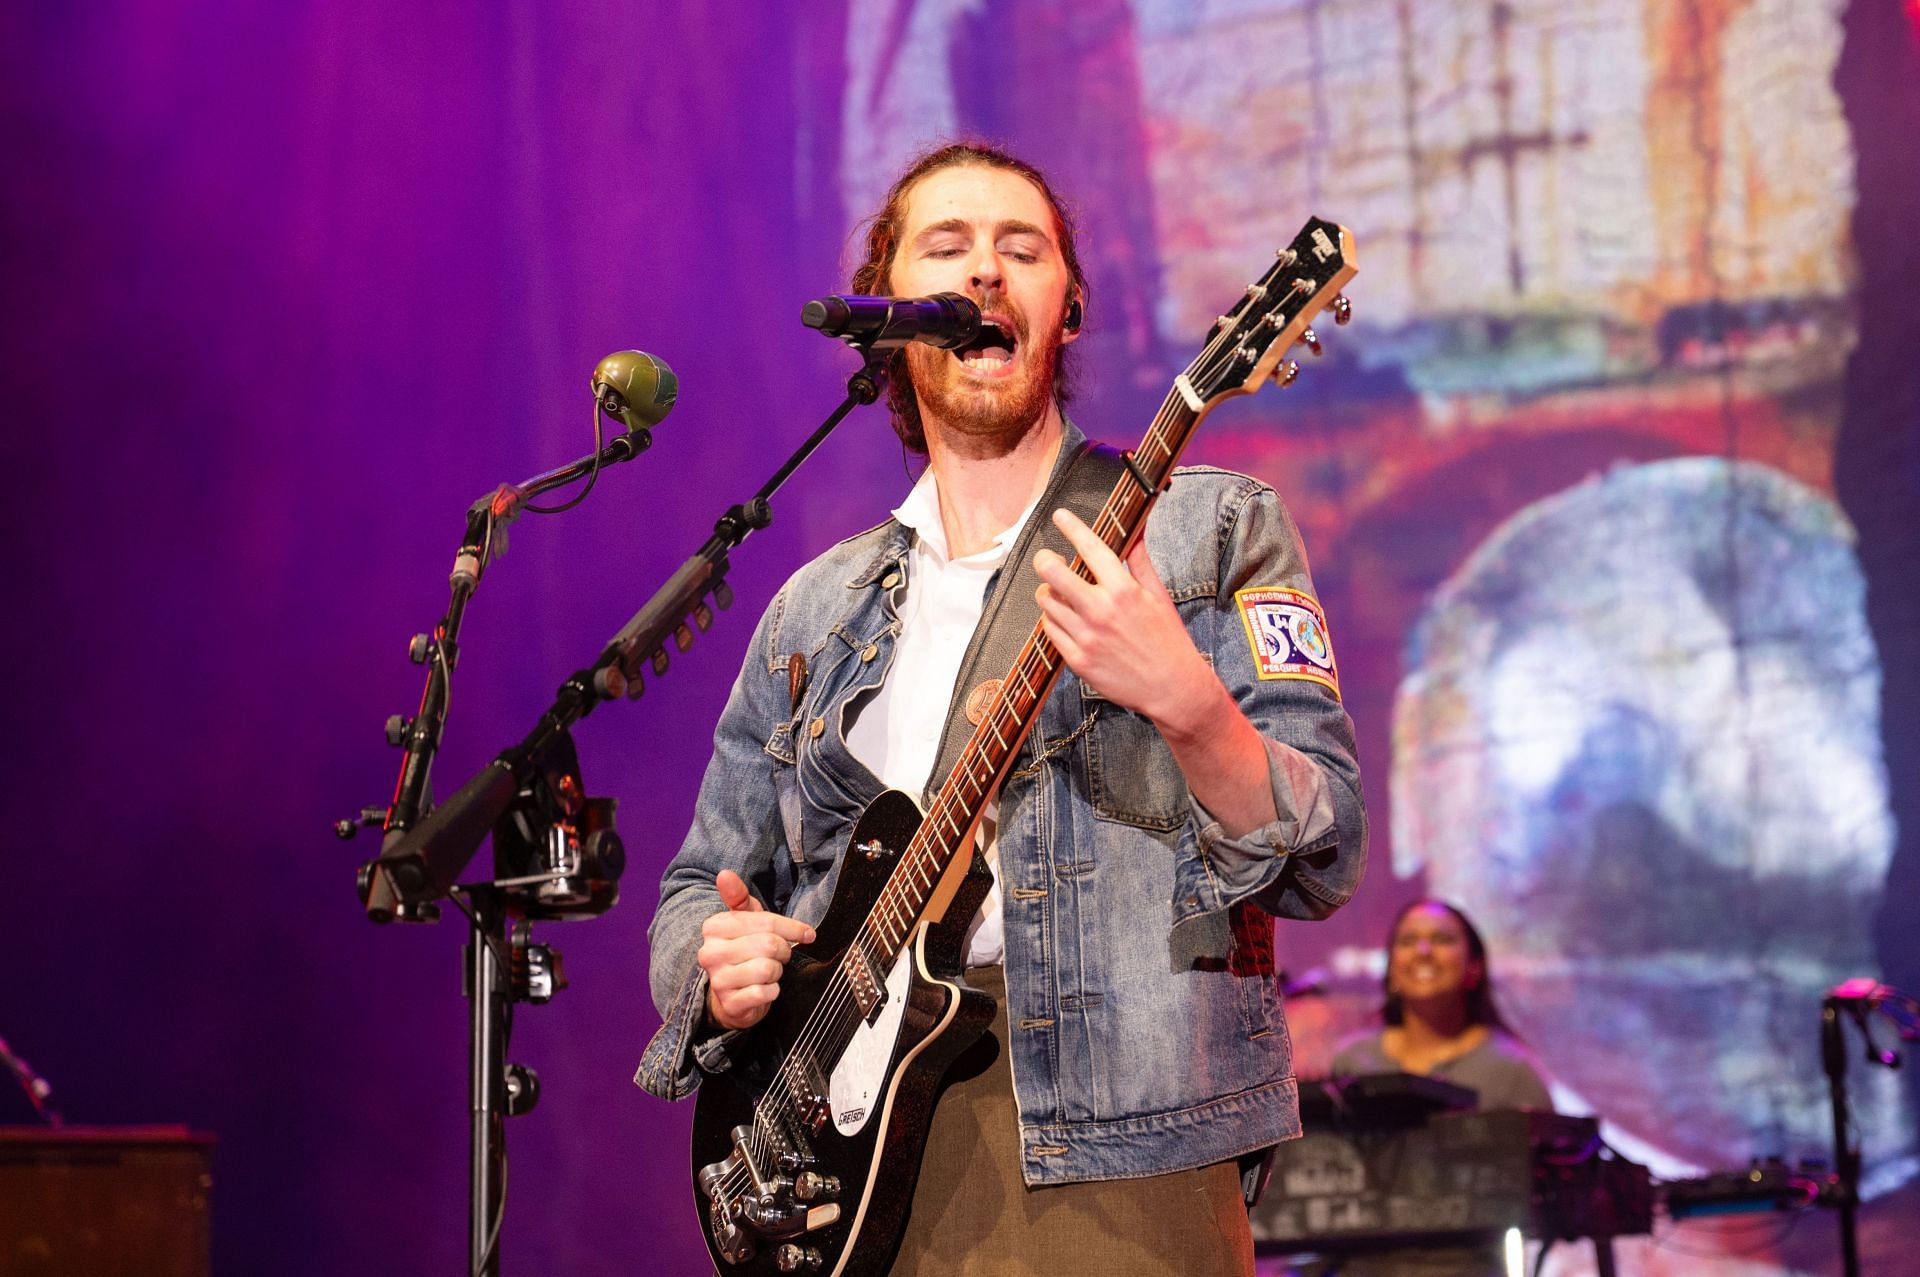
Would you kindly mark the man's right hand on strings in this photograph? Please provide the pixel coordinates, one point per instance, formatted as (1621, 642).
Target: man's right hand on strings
(744, 951)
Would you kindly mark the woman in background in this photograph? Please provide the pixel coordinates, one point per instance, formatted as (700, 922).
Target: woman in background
(1440, 1019)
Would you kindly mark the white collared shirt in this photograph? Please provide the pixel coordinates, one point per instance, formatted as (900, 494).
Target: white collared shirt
(897, 734)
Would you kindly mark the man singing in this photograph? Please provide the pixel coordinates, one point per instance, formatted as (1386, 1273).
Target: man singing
(1182, 785)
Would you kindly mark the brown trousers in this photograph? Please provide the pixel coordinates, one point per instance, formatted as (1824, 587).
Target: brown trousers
(973, 1217)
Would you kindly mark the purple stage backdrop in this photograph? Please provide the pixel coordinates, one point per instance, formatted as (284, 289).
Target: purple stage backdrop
(1613, 492)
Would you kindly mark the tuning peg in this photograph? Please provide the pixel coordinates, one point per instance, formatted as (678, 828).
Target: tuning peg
(703, 616)
(1342, 309)
(1287, 372)
(1311, 341)
(610, 682)
(683, 636)
(659, 661)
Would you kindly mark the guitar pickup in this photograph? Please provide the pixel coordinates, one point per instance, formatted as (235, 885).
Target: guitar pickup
(868, 992)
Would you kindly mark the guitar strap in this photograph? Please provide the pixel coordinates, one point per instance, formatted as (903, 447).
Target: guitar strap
(1081, 482)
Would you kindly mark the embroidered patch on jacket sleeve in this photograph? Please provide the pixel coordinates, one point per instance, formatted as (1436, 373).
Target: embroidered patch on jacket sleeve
(1288, 632)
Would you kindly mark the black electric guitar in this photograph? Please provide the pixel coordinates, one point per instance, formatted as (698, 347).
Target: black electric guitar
(805, 1153)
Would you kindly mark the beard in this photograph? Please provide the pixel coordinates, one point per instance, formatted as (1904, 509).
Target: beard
(980, 415)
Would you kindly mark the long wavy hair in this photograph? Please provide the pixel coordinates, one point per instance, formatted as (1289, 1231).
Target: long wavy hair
(1481, 1008)
(883, 232)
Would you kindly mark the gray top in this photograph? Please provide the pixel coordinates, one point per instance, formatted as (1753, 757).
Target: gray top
(1500, 1069)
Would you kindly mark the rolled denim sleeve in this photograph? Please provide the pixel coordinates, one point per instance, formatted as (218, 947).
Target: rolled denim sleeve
(1309, 860)
(736, 826)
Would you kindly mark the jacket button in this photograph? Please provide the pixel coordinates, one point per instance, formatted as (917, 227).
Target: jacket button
(890, 580)
(816, 727)
(869, 652)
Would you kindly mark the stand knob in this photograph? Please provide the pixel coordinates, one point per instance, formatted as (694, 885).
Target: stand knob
(603, 855)
(397, 725)
(610, 683)
(523, 1089)
(418, 648)
(811, 1186)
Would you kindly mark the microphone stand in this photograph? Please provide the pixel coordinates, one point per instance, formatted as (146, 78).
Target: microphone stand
(419, 737)
(424, 863)
(1846, 1154)
(1859, 998)
(421, 859)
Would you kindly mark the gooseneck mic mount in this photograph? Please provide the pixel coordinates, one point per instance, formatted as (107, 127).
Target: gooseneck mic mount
(555, 850)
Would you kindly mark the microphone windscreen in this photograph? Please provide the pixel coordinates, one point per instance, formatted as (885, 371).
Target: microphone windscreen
(646, 386)
(829, 315)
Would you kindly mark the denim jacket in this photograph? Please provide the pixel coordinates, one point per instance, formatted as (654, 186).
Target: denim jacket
(1145, 1026)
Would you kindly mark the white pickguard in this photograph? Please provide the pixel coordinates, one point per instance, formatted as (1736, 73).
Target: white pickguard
(860, 1075)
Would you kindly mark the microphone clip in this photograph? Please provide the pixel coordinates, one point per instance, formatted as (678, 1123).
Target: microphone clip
(638, 436)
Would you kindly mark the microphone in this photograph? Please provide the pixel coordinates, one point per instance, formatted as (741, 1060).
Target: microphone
(635, 388)
(944, 319)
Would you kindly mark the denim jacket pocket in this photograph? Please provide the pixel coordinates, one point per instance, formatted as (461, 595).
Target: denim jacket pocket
(1130, 772)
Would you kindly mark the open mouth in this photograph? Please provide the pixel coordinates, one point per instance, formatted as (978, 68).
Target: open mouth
(992, 348)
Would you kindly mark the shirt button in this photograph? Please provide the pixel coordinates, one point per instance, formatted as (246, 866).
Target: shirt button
(816, 727)
(872, 650)
(890, 580)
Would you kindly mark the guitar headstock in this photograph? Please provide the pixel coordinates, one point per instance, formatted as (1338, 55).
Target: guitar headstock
(1250, 343)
